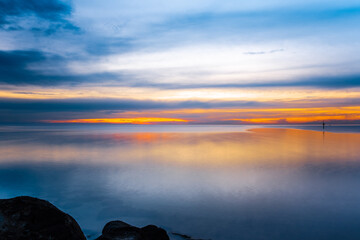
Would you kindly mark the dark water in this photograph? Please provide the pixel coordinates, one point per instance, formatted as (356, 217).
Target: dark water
(209, 182)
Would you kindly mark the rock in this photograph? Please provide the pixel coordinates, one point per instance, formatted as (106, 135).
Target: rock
(27, 218)
(24, 218)
(118, 230)
(154, 233)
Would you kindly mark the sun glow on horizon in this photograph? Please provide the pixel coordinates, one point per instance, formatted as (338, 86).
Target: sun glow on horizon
(142, 120)
(228, 116)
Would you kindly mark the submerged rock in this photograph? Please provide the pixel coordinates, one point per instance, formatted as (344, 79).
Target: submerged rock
(24, 218)
(118, 230)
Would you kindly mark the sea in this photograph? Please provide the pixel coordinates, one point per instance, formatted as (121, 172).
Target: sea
(249, 182)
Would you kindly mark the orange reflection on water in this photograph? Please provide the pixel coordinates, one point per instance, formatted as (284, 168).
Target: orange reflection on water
(256, 147)
(139, 138)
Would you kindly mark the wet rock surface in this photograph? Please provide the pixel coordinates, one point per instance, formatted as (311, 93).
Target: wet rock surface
(25, 218)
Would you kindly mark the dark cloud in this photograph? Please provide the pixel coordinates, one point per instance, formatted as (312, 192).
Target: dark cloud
(14, 70)
(30, 110)
(326, 82)
(35, 110)
(340, 81)
(54, 12)
(13, 66)
(81, 104)
(47, 9)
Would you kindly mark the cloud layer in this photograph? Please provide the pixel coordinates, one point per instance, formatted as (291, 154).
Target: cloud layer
(179, 48)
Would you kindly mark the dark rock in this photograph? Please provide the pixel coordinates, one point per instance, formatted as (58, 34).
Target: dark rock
(24, 218)
(27, 218)
(154, 233)
(118, 230)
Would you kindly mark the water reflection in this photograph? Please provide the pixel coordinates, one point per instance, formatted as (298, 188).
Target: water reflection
(257, 146)
(258, 184)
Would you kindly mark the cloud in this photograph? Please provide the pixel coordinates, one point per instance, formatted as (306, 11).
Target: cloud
(264, 52)
(80, 104)
(322, 82)
(19, 14)
(15, 70)
(341, 81)
(13, 65)
(329, 82)
(31, 110)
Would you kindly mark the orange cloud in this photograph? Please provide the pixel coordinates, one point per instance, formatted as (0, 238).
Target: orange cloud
(241, 116)
(142, 120)
(296, 120)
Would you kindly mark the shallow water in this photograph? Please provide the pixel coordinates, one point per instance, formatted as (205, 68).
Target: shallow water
(209, 182)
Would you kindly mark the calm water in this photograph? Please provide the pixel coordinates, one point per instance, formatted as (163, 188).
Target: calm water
(209, 182)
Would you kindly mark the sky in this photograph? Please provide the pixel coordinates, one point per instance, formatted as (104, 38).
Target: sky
(179, 62)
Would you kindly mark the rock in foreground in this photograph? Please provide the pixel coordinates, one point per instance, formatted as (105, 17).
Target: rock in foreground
(27, 218)
(118, 230)
(24, 218)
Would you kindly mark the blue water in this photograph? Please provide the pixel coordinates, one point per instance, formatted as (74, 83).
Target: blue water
(209, 182)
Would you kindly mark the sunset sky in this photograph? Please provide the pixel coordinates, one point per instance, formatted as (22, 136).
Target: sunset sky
(179, 62)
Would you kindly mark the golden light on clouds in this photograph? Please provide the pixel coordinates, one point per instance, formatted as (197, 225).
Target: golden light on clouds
(139, 93)
(212, 105)
(232, 116)
(143, 120)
